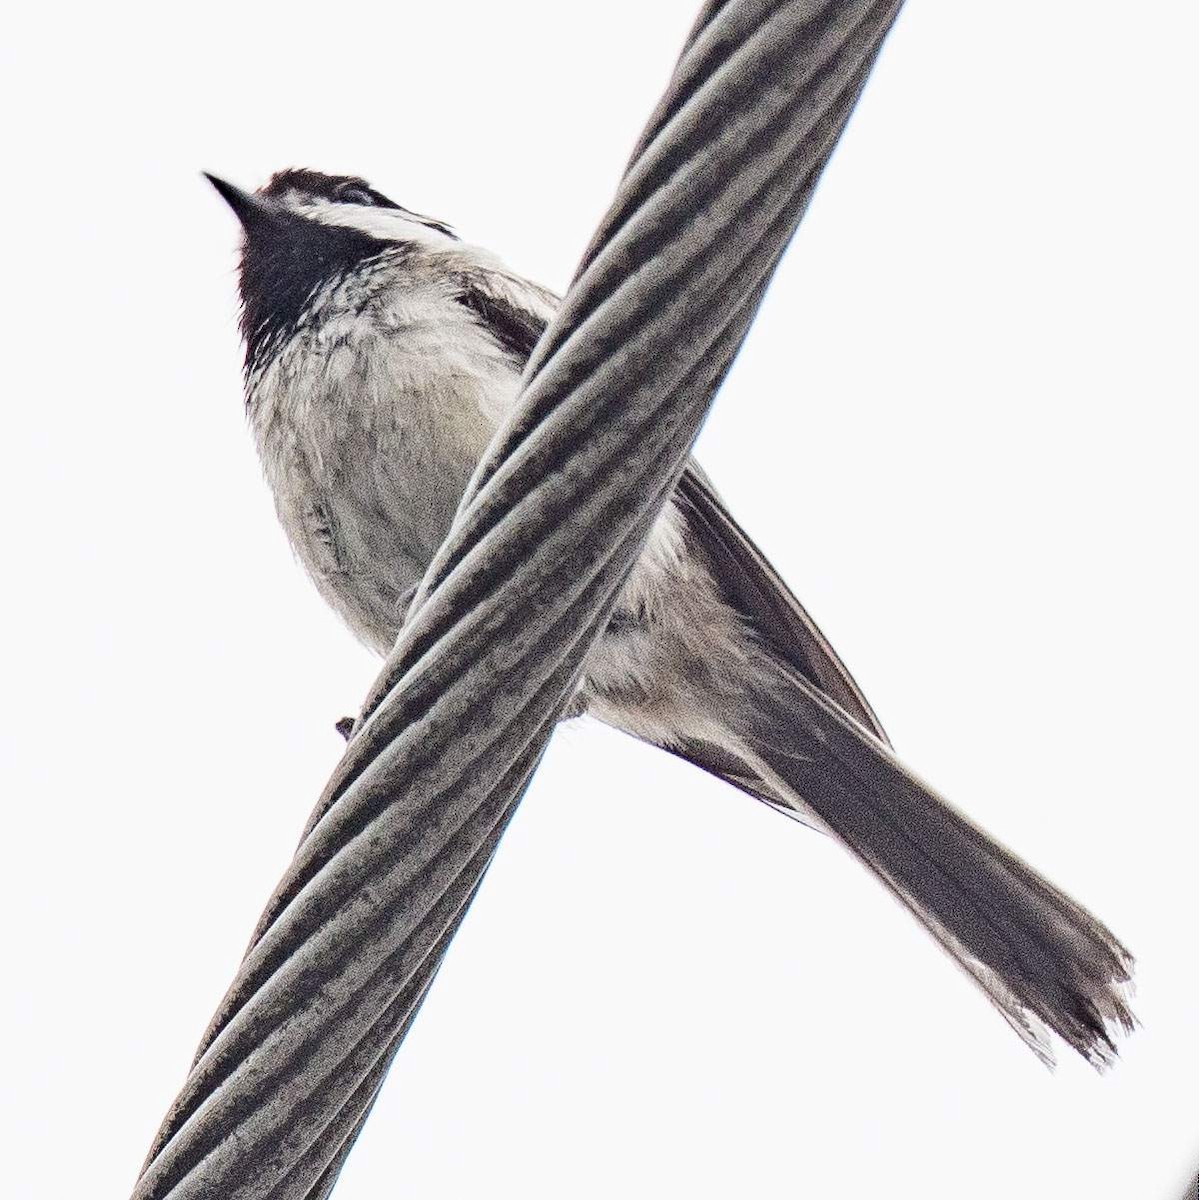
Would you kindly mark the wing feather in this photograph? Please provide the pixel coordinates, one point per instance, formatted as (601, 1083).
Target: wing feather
(754, 588)
(516, 314)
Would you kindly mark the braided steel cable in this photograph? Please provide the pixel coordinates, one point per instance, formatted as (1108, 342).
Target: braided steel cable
(489, 656)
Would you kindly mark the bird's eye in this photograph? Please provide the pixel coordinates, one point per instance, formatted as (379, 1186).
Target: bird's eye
(354, 194)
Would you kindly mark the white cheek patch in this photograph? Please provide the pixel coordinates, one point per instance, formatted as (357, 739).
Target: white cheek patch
(387, 224)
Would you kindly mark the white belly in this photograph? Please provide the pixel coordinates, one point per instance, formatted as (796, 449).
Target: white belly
(368, 445)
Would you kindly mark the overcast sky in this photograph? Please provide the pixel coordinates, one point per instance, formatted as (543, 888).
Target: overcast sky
(963, 428)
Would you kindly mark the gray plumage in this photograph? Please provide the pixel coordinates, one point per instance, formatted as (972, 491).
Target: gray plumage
(382, 353)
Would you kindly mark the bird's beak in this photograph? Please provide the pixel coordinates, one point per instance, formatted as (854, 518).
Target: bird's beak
(250, 209)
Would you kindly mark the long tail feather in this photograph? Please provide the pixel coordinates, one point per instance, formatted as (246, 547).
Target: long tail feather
(1041, 958)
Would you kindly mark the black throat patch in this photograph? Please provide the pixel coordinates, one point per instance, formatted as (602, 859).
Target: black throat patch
(285, 259)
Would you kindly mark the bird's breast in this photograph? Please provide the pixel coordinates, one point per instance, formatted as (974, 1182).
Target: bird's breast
(368, 436)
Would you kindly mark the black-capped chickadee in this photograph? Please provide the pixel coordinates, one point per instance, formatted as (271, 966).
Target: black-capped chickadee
(382, 352)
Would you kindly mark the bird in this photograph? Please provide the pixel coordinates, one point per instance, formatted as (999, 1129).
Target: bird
(381, 353)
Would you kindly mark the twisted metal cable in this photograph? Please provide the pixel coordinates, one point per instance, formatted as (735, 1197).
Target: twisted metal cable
(554, 518)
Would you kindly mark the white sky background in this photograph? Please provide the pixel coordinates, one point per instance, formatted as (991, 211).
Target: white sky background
(963, 428)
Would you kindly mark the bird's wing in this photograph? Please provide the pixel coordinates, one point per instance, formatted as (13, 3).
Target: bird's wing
(516, 313)
(752, 586)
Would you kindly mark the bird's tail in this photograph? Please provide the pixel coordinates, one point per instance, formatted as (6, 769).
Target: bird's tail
(1041, 958)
